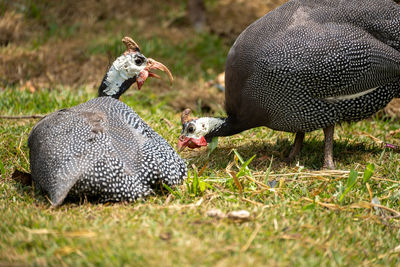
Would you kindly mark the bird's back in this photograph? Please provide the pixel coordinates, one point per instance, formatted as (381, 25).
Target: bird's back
(308, 52)
(100, 148)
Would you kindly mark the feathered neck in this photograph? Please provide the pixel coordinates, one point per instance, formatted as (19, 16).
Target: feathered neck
(114, 87)
(221, 127)
(114, 83)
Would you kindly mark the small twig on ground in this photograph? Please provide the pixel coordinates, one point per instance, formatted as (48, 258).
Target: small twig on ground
(252, 202)
(178, 207)
(369, 192)
(21, 117)
(380, 142)
(250, 240)
(257, 182)
(394, 132)
(337, 174)
(364, 205)
(326, 205)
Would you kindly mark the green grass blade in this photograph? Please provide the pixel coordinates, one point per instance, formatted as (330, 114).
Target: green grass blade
(369, 170)
(212, 145)
(175, 193)
(268, 171)
(238, 156)
(195, 185)
(244, 168)
(202, 186)
(351, 181)
(2, 169)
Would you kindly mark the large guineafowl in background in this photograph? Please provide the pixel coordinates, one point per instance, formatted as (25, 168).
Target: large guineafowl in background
(102, 149)
(307, 65)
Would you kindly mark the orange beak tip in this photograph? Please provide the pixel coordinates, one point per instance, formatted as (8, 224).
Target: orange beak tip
(151, 74)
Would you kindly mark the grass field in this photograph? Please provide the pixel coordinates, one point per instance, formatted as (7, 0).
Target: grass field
(298, 213)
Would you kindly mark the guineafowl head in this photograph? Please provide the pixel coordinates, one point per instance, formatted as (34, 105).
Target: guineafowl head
(132, 66)
(197, 132)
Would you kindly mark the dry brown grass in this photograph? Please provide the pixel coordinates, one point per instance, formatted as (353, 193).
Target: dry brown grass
(64, 60)
(26, 56)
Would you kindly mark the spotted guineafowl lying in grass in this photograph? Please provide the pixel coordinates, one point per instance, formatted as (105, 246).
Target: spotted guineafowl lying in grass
(102, 149)
(307, 65)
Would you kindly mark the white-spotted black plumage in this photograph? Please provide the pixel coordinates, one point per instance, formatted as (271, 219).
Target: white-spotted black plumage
(101, 149)
(310, 64)
(290, 64)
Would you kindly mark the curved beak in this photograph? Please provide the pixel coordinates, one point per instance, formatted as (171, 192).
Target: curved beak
(152, 64)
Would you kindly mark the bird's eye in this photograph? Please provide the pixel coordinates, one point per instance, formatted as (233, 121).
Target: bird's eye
(138, 61)
(190, 129)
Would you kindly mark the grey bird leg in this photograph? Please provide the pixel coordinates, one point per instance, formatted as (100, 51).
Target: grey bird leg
(296, 148)
(328, 148)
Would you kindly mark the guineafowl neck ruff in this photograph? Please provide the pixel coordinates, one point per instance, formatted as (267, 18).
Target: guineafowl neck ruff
(311, 64)
(122, 74)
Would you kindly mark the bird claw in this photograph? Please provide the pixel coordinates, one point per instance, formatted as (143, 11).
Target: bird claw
(329, 164)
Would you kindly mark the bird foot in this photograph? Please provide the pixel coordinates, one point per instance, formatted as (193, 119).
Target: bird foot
(298, 143)
(289, 159)
(329, 164)
(328, 148)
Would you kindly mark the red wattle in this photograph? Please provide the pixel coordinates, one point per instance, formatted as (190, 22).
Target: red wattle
(143, 75)
(191, 142)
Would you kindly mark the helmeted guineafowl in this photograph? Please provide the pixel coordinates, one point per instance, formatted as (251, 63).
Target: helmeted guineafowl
(308, 64)
(102, 149)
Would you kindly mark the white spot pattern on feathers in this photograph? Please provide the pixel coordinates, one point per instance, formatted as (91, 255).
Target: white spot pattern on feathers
(304, 53)
(117, 163)
(284, 69)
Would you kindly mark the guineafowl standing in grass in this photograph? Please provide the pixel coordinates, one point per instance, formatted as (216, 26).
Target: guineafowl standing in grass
(308, 64)
(102, 149)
